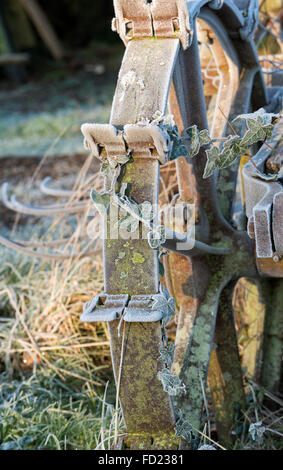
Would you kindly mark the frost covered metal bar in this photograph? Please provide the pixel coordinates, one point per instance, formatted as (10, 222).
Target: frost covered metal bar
(131, 266)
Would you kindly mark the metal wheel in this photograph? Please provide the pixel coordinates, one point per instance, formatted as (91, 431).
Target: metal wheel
(217, 49)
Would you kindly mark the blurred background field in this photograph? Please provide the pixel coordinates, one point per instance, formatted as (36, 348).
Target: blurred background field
(56, 383)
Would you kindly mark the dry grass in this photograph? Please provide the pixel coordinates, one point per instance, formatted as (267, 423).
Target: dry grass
(54, 367)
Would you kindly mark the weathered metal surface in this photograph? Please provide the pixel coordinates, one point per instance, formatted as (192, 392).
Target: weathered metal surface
(142, 141)
(264, 209)
(107, 307)
(208, 276)
(140, 309)
(227, 68)
(197, 283)
(104, 307)
(178, 268)
(146, 407)
(142, 89)
(267, 267)
(227, 178)
(225, 372)
(250, 9)
(273, 335)
(256, 188)
(277, 223)
(144, 80)
(159, 18)
(249, 311)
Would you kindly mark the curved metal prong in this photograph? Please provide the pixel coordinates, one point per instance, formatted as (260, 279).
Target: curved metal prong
(17, 206)
(51, 244)
(45, 189)
(15, 246)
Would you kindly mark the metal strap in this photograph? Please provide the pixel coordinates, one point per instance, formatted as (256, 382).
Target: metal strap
(160, 18)
(142, 141)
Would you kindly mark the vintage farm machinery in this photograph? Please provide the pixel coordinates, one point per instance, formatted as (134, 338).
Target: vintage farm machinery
(197, 60)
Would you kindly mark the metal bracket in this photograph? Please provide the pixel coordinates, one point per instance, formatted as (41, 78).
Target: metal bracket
(104, 307)
(249, 10)
(107, 307)
(264, 208)
(277, 222)
(139, 310)
(140, 140)
(148, 18)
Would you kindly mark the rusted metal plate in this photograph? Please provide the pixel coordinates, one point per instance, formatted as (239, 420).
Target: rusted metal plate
(179, 279)
(267, 267)
(133, 19)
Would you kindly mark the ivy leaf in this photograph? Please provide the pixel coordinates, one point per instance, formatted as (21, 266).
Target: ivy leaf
(165, 292)
(178, 148)
(204, 137)
(100, 200)
(267, 118)
(211, 163)
(146, 211)
(112, 162)
(164, 303)
(194, 140)
(129, 223)
(256, 132)
(256, 432)
(232, 149)
(206, 447)
(107, 171)
(238, 430)
(156, 237)
(171, 383)
(122, 159)
(167, 354)
(123, 189)
(183, 428)
(160, 264)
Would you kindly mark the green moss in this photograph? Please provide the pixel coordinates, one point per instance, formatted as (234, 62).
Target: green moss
(138, 258)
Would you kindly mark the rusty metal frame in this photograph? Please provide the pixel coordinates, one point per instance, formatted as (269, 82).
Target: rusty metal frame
(201, 284)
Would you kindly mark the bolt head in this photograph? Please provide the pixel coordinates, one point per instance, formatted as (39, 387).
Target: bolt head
(276, 258)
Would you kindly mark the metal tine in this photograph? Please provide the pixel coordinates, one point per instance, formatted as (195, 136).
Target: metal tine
(48, 256)
(45, 189)
(54, 192)
(17, 206)
(53, 243)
